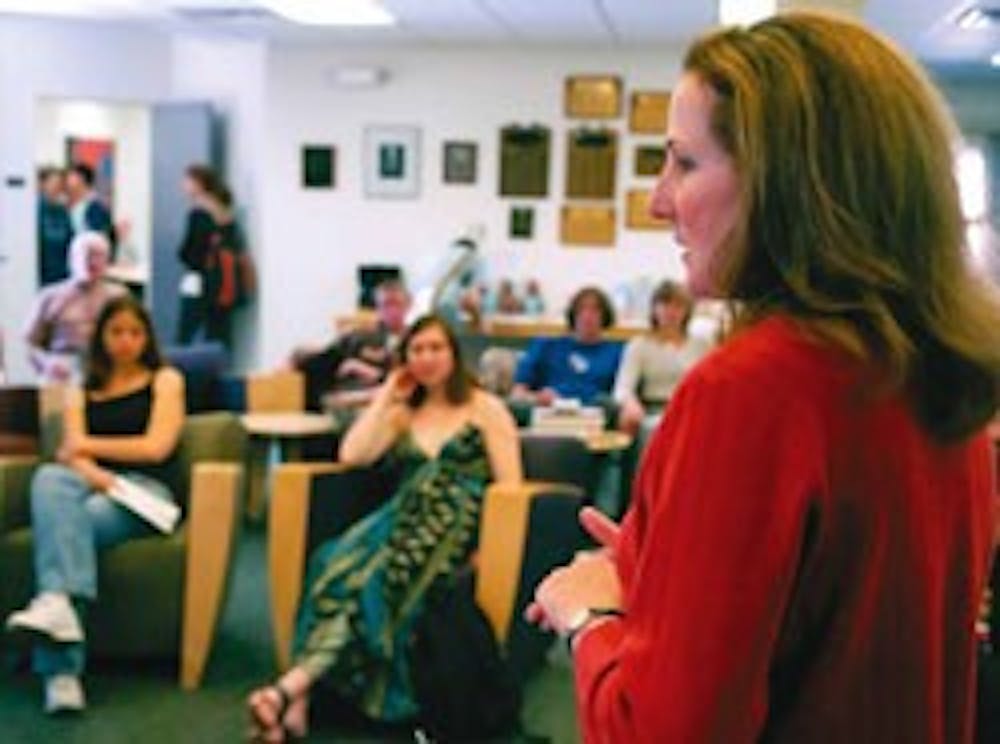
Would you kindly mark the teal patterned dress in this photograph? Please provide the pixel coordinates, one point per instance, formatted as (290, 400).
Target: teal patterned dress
(367, 586)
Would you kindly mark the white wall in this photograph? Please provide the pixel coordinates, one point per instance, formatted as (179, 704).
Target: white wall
(232, 74)
(313, 239)
(128, 126)
(49, 59)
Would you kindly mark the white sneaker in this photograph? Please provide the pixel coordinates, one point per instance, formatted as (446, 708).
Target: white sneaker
(49, 614)
(64, 694)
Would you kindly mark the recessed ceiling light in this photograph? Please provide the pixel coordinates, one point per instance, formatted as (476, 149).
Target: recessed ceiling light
(331, 12)
(995, 59)
(745, 12)
(977, 18)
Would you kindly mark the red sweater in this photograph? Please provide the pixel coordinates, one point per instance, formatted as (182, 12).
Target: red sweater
(801, 564)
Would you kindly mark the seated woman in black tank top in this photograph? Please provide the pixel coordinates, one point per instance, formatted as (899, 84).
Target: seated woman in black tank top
(124, 424)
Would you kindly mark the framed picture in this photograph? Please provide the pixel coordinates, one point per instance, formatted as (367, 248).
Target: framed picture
(649, 159)
(593, 97)
(522, 221)
(99, 154)
(392, 162)
(648, 112)
(637, 213)
(587, 225)
(318, 166)
(460, 162)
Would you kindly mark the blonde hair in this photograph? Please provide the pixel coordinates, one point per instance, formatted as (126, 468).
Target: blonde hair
(851, 217)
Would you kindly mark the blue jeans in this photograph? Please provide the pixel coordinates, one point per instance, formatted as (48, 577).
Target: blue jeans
(71, 523)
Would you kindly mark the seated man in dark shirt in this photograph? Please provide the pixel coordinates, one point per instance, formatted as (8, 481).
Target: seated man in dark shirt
(582, 365)
(348, 371)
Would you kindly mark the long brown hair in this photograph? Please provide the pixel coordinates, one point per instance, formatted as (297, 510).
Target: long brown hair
(851, 216)
(98, 364)
(460, 383)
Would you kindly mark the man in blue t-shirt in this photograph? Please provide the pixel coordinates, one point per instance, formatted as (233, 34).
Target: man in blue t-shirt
(582, 365)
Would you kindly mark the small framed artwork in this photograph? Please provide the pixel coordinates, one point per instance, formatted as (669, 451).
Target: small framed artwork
(318, 166)
(593, 97)
(649, 159)
(522, 223)
(588, 225)
(648, 113)
(392, 162)
(637, 212)
(460, 162)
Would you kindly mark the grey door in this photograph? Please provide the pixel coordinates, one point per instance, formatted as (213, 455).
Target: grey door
(182, 134)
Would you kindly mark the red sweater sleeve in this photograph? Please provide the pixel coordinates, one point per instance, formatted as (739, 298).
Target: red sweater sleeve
(708, 561)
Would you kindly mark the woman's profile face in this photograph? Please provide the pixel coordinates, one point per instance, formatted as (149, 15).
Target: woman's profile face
(124, 338)
(429, 357)
(699, 188)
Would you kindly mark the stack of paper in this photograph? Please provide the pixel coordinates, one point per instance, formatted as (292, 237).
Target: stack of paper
(160, 513)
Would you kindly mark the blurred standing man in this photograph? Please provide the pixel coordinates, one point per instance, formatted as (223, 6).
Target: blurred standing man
(86, 210)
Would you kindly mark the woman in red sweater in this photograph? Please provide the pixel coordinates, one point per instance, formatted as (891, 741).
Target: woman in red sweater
(811, 525)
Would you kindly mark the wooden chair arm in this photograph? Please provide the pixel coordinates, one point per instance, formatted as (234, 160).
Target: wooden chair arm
(275, 392)
(503, 530)
(288, 529)
(213, 509)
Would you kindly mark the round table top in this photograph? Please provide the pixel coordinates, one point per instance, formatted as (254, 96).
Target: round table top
(608, 441)
(288, 424)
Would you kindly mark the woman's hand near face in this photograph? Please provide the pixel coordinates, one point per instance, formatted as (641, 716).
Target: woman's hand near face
(399, 385)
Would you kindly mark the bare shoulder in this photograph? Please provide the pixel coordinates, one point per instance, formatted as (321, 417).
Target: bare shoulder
(168, 379)
(490, 411)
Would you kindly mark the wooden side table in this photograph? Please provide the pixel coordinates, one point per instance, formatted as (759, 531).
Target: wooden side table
(288, 430)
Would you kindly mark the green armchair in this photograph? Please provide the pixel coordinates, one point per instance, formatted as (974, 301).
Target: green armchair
(158, 596)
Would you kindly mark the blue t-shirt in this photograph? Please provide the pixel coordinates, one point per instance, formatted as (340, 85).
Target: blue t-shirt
(571, 368)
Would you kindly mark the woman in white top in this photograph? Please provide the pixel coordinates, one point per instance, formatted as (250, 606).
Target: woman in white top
(654, 363)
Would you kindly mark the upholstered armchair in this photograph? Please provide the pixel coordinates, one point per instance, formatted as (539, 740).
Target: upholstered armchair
(525, 531)
(159, 596)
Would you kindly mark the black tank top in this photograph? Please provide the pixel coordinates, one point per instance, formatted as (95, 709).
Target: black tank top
(128, 416)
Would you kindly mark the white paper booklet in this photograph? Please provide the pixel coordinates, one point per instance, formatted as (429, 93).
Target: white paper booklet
(162, 514)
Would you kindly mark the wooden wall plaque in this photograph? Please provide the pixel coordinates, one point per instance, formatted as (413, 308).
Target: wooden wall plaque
(588, 225)
(593, 97)
(648, 112)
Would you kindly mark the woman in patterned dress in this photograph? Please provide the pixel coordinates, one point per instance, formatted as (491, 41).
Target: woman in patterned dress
(366, 587)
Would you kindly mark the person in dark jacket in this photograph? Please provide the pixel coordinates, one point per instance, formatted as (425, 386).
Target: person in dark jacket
(55, 230)
(210, 223)
(87, 212)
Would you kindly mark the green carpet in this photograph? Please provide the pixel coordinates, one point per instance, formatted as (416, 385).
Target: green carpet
(142, 703)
